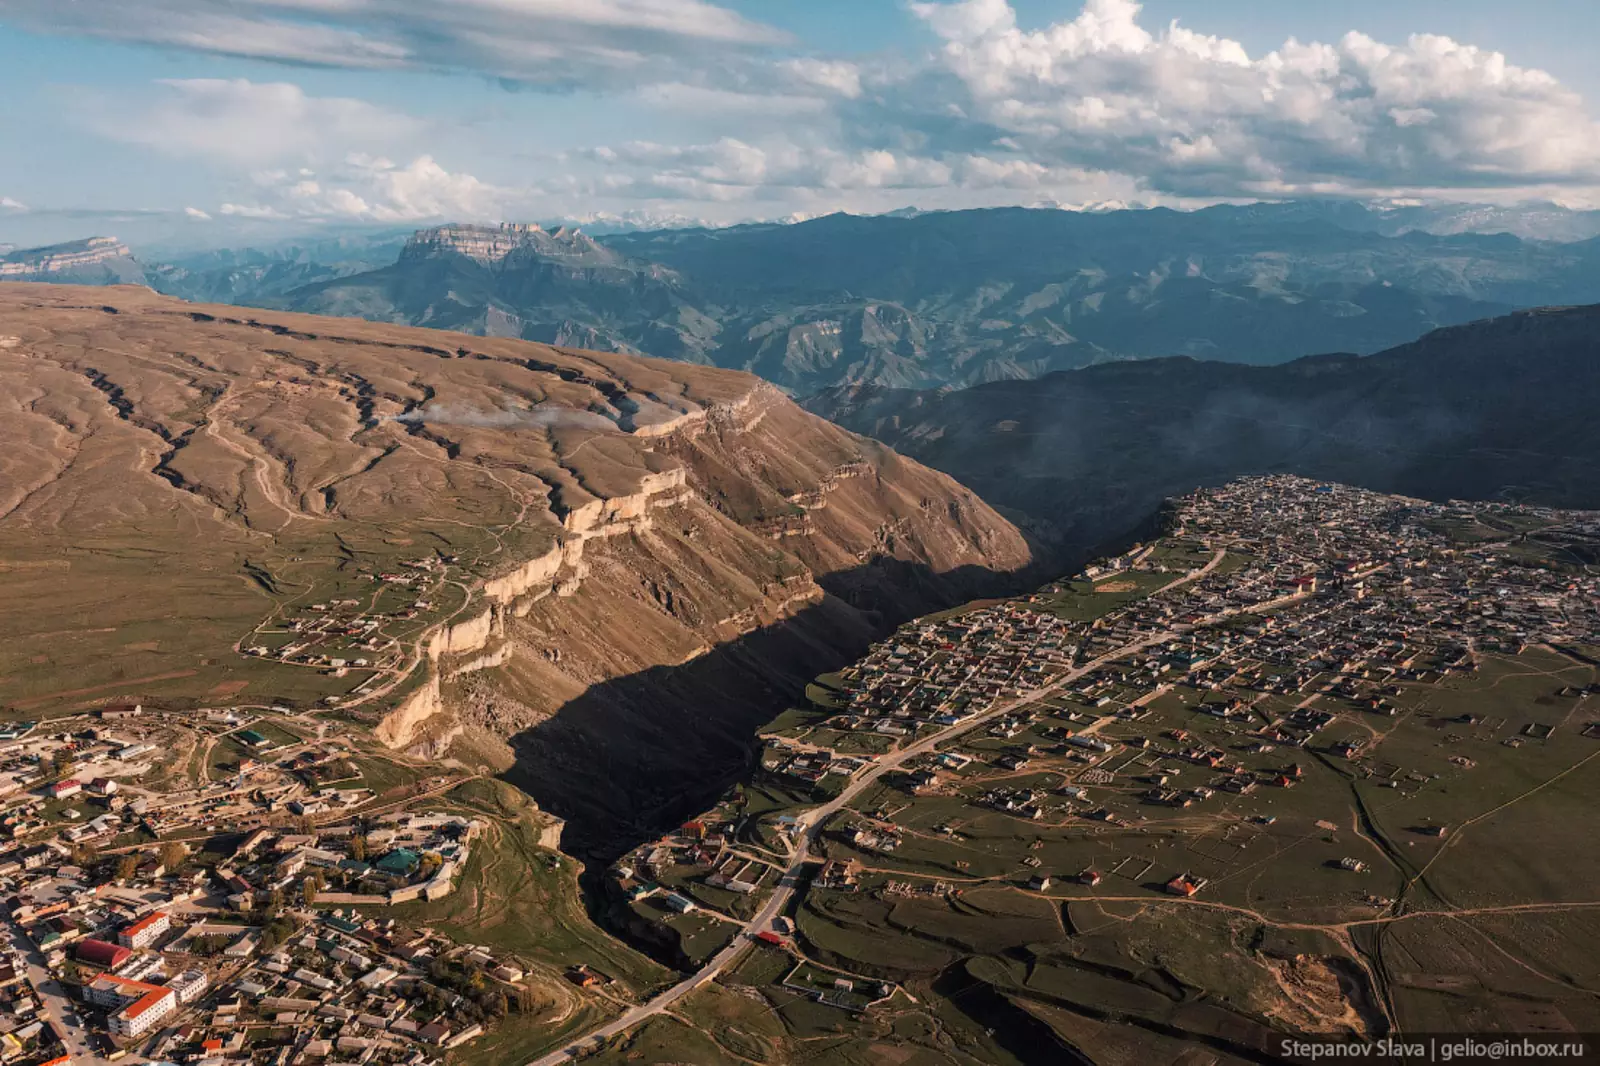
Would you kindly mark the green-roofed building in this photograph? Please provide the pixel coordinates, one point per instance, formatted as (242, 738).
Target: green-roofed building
(401, 862)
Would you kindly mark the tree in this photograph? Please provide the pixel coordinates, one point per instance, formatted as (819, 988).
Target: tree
(84, 854)
(127, 866)
(309, 889)
(358, 848)
(172, 854)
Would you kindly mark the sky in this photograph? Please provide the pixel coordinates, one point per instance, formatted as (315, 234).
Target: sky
(195, 122)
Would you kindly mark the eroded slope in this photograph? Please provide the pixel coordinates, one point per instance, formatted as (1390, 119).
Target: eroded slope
(431, 531)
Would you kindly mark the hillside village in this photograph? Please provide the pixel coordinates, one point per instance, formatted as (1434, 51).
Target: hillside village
(228, 885)
(126, 932)
(1206, 681)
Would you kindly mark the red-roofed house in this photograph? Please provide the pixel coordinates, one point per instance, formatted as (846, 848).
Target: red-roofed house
(145, 930)
(135, 1005)
(100, 953)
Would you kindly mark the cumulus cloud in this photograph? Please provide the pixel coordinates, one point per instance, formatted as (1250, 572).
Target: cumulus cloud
(8, 204)
(1097, 106)
(197, 214)
(241, 122)
(1196, 114)
(731, 170)
(540, 42)
(835, 76)
(375, 189)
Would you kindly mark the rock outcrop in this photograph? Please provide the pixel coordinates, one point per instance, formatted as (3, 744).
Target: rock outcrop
(61, 258)
(607, 569)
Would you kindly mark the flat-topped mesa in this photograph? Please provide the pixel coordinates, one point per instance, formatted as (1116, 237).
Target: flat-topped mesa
(511, 244)
(56, 258)
(485, 243)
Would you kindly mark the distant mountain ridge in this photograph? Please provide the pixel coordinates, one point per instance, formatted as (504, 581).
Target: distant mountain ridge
(920, 299)
(933, 298)
(65, 261)
(1497, 408)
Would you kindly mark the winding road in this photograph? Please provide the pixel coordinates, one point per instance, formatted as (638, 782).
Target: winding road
(812, 821)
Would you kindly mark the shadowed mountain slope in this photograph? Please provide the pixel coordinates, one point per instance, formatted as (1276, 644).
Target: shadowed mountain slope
(431, 533)
(1495, 408)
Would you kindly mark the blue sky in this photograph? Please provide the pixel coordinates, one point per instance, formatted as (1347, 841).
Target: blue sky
(210, 121)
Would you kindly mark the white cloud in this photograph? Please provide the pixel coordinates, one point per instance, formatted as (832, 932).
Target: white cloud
(1196, 114)
(1097, 106)
(242, 122)
(197, 214)
(8, 204)
(553, 42)
(703, 101)
(731, 170)
(253, 211)
(375, 189)
(833, 75)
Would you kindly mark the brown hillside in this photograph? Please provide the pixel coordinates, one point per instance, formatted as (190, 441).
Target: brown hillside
(179, 482)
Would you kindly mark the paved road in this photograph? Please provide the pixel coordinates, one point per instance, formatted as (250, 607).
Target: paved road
(812, 821)
(57, 1006)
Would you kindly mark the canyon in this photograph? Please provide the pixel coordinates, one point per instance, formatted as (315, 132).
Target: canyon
(632, 562)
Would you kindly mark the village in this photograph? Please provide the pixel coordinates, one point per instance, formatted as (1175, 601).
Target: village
(360, 632)
(1204, 718)
(1151, 725)
(128, 932)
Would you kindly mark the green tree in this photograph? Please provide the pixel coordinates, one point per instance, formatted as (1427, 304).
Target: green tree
(127, 866)
(172, 854)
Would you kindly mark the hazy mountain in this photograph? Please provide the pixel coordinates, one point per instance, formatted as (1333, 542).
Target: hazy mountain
(920, 299)
(559, 287)
(1495, 408)
(259, 274)
(93, 261)
(1536, 221)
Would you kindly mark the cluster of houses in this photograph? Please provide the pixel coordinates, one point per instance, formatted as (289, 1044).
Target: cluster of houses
(401, 856)
(943, 672)
(341, 635)
(1335, 601)
(116, 939)
(155, 952)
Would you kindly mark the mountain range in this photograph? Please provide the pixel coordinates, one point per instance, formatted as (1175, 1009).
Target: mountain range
(1491, 409)
(928, 299)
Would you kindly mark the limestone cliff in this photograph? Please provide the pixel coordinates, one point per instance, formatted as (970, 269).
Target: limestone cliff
(607, 569)
(61, 258)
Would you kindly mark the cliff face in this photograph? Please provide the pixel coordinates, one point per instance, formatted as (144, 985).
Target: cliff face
(605, 569)
(62, 258)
